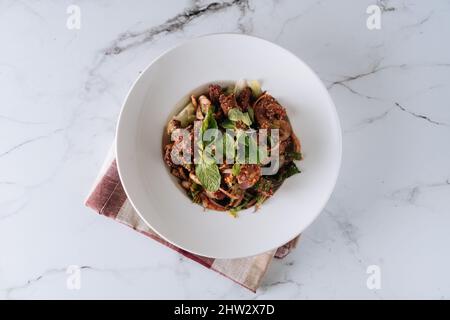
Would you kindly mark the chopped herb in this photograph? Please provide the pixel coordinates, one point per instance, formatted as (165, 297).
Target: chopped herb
(236, 169)
(233, 212)
(288, 171)
(247, 198)
(260, 198)
(264, 185)
(194, 192)
(294, 155)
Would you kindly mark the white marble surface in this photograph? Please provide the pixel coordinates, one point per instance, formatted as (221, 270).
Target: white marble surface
(61, 92)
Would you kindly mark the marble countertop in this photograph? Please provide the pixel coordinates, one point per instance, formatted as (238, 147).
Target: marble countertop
(62, 88)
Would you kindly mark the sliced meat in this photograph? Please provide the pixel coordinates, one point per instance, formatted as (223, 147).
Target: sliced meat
(296, 142)
(218, 115)
(248, 175)
(227, 102)
(244, 98)
(285, 129)
(267, 109)
(285, 146)
(235, 202)
(214, 92)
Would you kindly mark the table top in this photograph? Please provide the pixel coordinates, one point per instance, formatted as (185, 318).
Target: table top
(385, 231)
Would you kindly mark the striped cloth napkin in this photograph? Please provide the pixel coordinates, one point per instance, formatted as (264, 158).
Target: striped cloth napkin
(108, 198)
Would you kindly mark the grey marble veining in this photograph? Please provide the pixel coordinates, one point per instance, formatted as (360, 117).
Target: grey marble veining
(61, 94)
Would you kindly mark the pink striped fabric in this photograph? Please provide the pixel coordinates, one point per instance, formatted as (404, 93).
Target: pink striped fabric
(108, 198)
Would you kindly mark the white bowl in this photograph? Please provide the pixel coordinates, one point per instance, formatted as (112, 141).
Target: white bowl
(158, 92)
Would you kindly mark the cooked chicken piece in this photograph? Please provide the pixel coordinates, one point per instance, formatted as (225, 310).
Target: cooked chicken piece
(283, 146)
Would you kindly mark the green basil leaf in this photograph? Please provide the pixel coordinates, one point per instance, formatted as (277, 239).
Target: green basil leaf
(212, 121)
(295, 155)
(235, 114)
(208, 123)
(208, 174)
